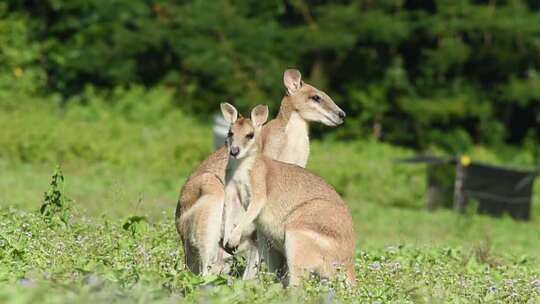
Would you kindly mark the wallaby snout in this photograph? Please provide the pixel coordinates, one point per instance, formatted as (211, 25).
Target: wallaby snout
(333, 114)
(235, 151)
(336, 117)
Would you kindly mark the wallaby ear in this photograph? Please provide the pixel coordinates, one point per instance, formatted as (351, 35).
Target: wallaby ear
(292, 80)
(259, 115)
(229, 112)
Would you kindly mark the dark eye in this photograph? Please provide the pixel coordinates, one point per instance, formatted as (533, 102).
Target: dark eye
(230, 134)
(250, 135)
(316, 98)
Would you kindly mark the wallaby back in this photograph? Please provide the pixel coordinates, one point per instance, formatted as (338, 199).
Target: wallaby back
(212, 167)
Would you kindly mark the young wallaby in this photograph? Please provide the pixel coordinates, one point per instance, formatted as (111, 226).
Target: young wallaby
(300, 215)
(199, 210)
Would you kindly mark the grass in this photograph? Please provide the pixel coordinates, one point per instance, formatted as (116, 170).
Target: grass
(101, 259)
(124, 165)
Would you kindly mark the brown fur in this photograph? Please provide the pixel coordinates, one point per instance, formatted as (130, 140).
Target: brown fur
(300, 215)
(206, 183)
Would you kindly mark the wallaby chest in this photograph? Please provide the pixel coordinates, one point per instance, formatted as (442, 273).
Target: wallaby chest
(296, 151)
(238, 177)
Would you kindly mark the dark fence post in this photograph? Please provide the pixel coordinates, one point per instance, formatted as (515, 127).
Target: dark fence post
(459, 194)
(431, 197)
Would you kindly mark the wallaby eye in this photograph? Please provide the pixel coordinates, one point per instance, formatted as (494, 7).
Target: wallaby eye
(316, 98)
(250, 135)
(230, 134)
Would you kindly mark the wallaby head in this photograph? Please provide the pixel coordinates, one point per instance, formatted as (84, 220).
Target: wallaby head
(311, 103)
(243, 137)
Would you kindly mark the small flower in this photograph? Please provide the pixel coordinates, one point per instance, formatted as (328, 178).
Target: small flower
(26, 282)
(92, 280)
(376, 265)
(395, 266)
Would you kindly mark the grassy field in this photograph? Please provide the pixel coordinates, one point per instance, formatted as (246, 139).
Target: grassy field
(124, 164)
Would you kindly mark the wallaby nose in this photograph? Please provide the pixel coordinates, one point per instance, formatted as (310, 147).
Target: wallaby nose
(341, 114)
(235, 151)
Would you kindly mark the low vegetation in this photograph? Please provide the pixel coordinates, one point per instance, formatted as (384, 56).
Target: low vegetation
(111, 260)
(106, 232)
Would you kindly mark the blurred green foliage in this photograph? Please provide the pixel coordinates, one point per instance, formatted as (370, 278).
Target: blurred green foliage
(20, 66)
(420, 73)
(138, 138)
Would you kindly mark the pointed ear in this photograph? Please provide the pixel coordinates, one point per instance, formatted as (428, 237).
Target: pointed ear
(259, 115)
(229, 112)
(292, 79)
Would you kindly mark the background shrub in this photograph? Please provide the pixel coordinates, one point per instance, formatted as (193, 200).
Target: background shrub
(416, 73)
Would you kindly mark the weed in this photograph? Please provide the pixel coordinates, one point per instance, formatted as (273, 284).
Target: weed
(55, 204)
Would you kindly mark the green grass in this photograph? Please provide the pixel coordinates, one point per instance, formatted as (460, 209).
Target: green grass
(100, 259)
(128, 159)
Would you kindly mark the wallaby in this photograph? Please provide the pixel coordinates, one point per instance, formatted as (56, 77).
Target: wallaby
(199, 212)
(300, 215)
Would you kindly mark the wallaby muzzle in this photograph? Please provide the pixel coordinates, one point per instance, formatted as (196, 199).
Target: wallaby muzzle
(234, 151)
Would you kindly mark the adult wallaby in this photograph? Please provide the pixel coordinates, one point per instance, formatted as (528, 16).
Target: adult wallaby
(199, 212)
(300, 215)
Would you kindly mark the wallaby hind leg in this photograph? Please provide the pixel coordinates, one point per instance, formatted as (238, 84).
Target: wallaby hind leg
(303, 256)
(206, 232)
(191, 257)
(314, 245)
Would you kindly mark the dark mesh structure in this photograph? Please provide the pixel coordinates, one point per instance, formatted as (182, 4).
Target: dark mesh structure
(497, 190)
